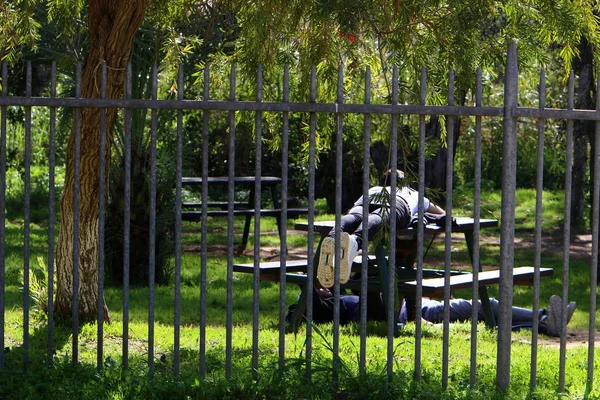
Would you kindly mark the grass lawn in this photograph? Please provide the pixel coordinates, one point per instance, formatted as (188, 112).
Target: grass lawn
(64, 380)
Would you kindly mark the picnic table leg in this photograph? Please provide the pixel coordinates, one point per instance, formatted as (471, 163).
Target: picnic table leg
(276, 205)
(246, 233)
(383, 268)
(490, 319)
(300, 310)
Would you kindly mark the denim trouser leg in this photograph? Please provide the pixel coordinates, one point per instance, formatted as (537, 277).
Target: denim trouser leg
(376, 219)
(460, 310)
(373, 226)
(520, 316)
(351, 221)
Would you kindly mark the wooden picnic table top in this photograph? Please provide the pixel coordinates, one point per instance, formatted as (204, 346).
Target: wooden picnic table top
(197, 180)
(462, 224)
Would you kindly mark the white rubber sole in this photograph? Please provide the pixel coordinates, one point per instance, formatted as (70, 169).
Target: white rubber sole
(326, 266)
(344, 257)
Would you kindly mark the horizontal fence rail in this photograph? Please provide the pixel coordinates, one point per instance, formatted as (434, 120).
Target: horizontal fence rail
(214, 105)
(510, 114)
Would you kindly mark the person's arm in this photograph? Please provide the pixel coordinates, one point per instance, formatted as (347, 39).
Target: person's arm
(433, 209)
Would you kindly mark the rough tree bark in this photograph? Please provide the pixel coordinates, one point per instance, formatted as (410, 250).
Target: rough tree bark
(112, 27)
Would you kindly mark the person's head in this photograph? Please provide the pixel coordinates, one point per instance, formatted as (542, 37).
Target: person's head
(386, 178)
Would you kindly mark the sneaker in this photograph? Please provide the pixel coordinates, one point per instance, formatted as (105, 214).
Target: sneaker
(325, 267)
(349, 249)
(571, 310)
(550, 326)
(553, 320)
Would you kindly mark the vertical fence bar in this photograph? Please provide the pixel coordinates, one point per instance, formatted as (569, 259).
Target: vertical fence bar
(566, 237)
(338, 213)
(365, 236)
(178, 175)
(51, 220)
(476, 234)
(283, 220)
(538, 233)
(101, 222)
(152, 227)
(594, 261)
(311, 218)
(76, 212)
(203, 233)
(507, 235)
(3, 209)
(392, 315)
(257, 207)
(231, 198)
(507, 249)
(27, 220)
(126, 218)
(420, 228)
(448, 232)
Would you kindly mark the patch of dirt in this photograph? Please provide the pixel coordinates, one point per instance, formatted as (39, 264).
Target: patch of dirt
(267, 253)
(575, 338)
(553, 243)
(580, 244)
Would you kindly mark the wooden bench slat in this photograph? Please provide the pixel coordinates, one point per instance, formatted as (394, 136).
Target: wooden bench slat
(273, 266)
(435, 286)
(300, 279)
(521, 276)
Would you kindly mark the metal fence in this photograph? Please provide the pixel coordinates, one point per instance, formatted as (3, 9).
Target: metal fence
(510, 114)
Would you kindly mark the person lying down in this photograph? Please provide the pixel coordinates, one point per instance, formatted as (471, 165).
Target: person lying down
(352, 226)
(432, 311)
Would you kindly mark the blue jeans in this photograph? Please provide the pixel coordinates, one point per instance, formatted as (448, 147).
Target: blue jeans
(352, 222)
(460, 310)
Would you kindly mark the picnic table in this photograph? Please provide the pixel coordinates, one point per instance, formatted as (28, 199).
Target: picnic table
(406, 274)
(433, 281)
(192, 211)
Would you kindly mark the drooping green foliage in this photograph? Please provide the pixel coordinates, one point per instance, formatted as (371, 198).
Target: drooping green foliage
(413, 34)
(380, 34)
(18, 29)
(327, 33)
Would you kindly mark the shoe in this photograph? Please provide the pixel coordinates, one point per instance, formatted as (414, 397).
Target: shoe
(349, 249)
(325, 267)
(553, 321)
(570, 310)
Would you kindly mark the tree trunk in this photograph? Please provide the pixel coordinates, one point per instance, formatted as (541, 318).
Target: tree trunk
(112, 27)
(435, 168)
(582, 131)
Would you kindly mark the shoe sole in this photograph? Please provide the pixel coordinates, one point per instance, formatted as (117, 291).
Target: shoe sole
(344, 262)
(326, 267)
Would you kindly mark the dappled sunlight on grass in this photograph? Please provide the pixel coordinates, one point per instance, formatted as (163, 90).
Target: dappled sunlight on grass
(295, 345)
